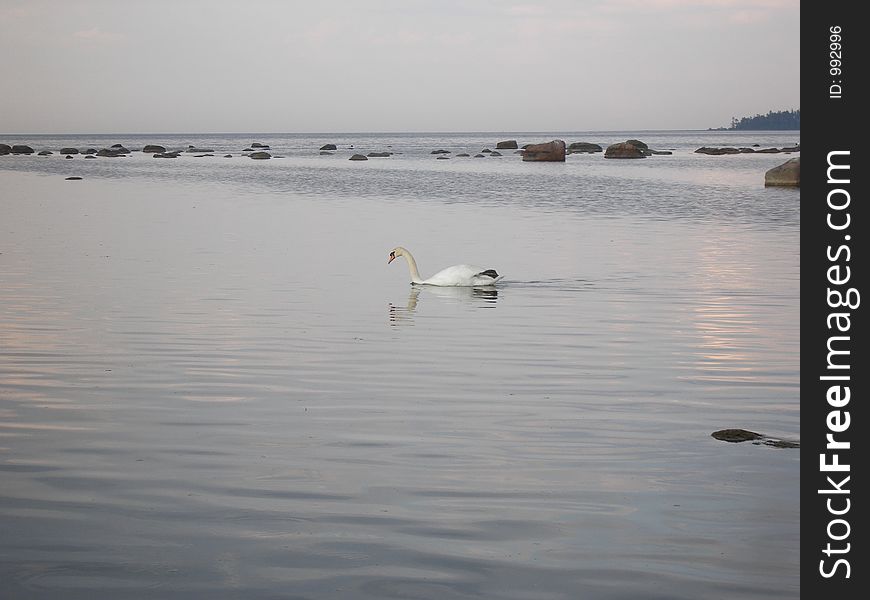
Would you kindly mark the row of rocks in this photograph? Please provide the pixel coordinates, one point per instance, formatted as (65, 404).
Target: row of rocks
(716, 151)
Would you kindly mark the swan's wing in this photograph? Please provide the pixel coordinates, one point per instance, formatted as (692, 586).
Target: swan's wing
(463, 275)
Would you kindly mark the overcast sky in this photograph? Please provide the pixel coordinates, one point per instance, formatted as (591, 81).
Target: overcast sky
(198, 66)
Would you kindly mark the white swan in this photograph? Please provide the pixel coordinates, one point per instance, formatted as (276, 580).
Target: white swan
(457, 275)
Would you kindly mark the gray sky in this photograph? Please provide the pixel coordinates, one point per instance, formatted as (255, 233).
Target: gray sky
(198, 66)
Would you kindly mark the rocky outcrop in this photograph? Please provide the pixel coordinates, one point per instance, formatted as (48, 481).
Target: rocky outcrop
(440, 152)
(167, 154)
(69, 150)
(44, 153)
(581, 147)
(5, 149)
(507, 145)
(358, 157)
(379, 154)
(787, 174)
(260, 155)
(152, 148)
(624, 150)
(328, 147)
(715, 151)
(22, 149)
(553, 151)
(259, 145)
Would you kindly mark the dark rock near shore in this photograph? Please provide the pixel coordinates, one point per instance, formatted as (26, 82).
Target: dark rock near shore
(328, 147)
(112, 152)
(260, 155)
(440, 152)
(44, 153)
(198, 150)
(119, 148)
(715, 151)
(167, 155)
(5, 149)
(463, 154)
(553, 151)
(744, 435)
(22, 149)
(74, 178)
(624, 150)
(507, 145)
(358, 157)
(69, 150)
(152, 148)
(379, 154)
(259, 145)
(787, 174)
(581, 147)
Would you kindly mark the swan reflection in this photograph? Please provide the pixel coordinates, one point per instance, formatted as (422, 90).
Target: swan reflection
(475, 297)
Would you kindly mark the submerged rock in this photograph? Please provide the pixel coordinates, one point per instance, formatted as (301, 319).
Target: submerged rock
(744, 435)
(69, 150)
(73, 178)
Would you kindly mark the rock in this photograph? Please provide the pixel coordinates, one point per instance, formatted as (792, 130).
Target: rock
(485, 151)
(507, 145)
(68, 156)
(22, 149)
(792, 148)
(716, 151)
(90, 156)
(202, 155)
(44, 153)
(440, 152)
(152, 148)
(463, 154)
(442, 157)
(638, 144)
(736, 435)
(769, 151)
(199, 150)
(359, 157)
(553, 151)
(580, 147)
(480, 156)
(74, 178)
(111, 152)
(624, 150)
(259, 145)
(495, 153)
(743, 435)
(91, 151)
(326, 153)
(166, 155)
(260, 155)
(379, 154)
(228, 155)
(119, 148)
(69, 150)
(787, 174)
(328, 147)
(5, 149)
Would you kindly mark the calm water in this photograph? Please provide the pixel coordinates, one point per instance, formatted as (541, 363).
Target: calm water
(212, 385)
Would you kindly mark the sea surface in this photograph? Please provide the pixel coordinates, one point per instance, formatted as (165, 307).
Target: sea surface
(213, 386)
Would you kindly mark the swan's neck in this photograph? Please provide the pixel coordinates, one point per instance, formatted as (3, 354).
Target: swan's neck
(412, 267)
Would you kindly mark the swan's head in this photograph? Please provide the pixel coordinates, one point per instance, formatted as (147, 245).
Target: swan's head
(395, 252)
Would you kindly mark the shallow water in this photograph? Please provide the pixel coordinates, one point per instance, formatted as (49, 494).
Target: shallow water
(212, 385)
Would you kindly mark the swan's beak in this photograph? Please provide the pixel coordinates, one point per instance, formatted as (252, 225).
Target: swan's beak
(392, 257)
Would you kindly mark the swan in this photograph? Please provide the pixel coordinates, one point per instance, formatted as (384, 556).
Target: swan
(457, 275)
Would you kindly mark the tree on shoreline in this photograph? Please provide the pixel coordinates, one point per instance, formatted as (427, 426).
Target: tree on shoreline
(773, 120)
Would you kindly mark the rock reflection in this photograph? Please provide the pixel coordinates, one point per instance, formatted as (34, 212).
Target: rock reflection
(476, 297)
